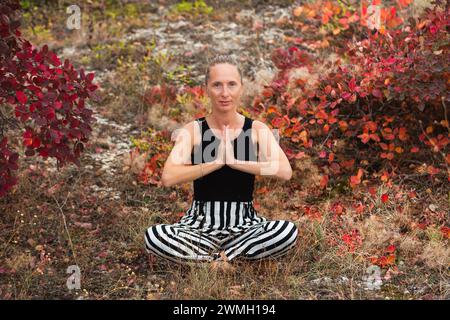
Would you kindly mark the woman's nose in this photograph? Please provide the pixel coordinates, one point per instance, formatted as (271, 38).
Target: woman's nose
(225, 91)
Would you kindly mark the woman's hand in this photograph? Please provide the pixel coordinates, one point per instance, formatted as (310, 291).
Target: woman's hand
(225, 152)
(221, 153)
(229, 150)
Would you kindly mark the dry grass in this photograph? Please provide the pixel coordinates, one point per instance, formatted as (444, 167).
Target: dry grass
(36, 248)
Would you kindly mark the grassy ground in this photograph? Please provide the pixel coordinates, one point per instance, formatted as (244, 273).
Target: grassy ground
(58, 225)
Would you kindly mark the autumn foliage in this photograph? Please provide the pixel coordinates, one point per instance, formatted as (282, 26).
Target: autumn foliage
(41, 98)
(374, 112)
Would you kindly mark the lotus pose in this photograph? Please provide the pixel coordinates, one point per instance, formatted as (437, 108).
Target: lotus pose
(221, 153)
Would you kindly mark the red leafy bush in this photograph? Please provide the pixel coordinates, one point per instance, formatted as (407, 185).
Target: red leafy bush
(47, 98)
(377, 111)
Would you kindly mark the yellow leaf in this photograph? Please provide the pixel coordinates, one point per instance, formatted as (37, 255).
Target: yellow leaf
(390, 259)
(272, 109)
(325, 44)
(336, 31)
(311, 14)
(304, 136)
(399, 149)
(298, 11)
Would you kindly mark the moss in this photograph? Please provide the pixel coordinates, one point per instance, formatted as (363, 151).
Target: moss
(196, 8)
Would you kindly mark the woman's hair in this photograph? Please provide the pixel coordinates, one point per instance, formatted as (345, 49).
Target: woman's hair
(222, 58)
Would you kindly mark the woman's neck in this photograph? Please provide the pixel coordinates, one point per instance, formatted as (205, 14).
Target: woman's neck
(232, 119)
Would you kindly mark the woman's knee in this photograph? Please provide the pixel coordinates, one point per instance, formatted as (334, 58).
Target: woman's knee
(284, 224)
(292, 227)
(150, 234)
(288, 228)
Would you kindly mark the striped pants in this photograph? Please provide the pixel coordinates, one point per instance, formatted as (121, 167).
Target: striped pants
(209, 227)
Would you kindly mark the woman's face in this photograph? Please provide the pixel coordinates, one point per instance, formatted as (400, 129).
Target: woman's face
(224, 87)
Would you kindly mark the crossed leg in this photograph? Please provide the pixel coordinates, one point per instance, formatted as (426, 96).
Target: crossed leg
(269, 239)
(180, 244)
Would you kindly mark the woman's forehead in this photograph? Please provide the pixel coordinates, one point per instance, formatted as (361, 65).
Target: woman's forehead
(223, 72)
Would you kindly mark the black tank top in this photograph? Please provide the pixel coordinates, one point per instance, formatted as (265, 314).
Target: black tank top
(225, 183)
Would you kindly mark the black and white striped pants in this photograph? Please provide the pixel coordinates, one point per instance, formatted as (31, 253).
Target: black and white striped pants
(209, 227)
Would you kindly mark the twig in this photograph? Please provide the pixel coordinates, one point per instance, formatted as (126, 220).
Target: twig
(65, 226)
(329, 134)
(10, 239)
(65, 220)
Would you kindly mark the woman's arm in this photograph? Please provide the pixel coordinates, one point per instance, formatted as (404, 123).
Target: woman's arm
(185, 173)
(273, 162)
(178, 167)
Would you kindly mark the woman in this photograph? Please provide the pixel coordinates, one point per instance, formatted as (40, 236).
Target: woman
(222, 153)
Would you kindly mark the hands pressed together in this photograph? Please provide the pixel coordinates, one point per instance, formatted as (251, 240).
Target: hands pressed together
(225, 154)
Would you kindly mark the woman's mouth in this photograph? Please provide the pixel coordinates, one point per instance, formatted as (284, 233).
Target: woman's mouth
(224, 103)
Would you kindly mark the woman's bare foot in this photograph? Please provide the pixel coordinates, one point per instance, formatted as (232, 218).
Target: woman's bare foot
(222, 264)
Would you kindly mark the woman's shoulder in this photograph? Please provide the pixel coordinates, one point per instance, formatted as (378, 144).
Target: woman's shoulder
(195, 130)
(192, 129)
(258, 125)
(259, 129)
(195, 123)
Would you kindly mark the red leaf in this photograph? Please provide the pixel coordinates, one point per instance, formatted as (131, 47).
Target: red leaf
(277, 122)
(51, 114)
(21, 97)
(373, 191)
(346, 95)
(364, 137)
(27, 138)
(54, 60)
(374, 137)
(36, 142)
(352, 85)
(391, 249)
(44, 153)
(27, 134)
(445, 232)
(3, 142)
(58, 105)
(404, 3)
(432, 170)
(355, 180)
(27, 142)
(90, 76)
(377, 93)
(324, 181)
